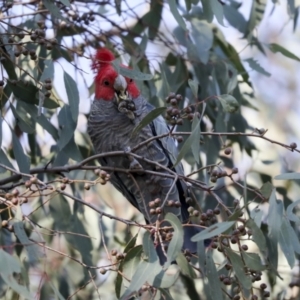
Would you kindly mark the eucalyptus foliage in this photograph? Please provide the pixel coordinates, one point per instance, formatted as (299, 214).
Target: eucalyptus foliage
(57, 241)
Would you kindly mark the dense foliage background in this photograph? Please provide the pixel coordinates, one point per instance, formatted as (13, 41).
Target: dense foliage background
(66, 233)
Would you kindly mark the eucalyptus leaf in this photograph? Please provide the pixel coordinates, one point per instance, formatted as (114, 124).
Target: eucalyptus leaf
(288, 176)
(153, 114)
(212, 230)
(253, 64)
(277, 48)
(176, 15)
(73, 95)
(229, 103)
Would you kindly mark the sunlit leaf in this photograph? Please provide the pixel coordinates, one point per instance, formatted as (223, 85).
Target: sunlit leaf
(212, 230)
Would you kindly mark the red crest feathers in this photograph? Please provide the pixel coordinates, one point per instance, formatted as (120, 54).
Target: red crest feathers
(102, 58)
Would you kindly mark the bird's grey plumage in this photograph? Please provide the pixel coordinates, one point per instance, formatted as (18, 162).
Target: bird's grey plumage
(111, 130)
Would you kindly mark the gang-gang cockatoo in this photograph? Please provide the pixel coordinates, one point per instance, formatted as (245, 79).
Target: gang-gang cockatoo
(117, 109)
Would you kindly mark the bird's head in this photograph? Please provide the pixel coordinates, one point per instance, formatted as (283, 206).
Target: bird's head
(109, 84)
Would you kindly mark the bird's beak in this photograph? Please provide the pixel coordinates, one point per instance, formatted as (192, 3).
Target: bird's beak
(120, 87)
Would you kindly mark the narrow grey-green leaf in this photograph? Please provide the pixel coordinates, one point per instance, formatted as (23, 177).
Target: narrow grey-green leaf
(24, 122)
(1, 130)
(134, 74)
(128, 267)
(148, 119)
(203, 36)
(212, 230)
(193, 138)
(56, 291)
(31, 248)
(253, 261)
(285, 242)
(8, 267)
(253, 64)
(185, 267)
(67, 126)
(194, 85)
(148, 247)
(48, 72)
(266, 189)
(165, 279)
(21, 158)
(289, 212)
(176, 243)
(238, 267)
(229, 103)
(48, 126)
(5, 161)
(73, 95)
(288, 176)
(293, 237)
(196, 143)
(277, 48)
(257, 235)
(212, 274)
(66, 2)
(275, 215)
(217, 9)
(53, 9)
(176, 15)
(256, 214)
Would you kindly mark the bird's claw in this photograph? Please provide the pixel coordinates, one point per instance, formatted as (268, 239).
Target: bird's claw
(128, 108)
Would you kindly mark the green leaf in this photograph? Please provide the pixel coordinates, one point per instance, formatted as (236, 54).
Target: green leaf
(253, 64)
(257, 235)
(266, 189)
(5, 161)
(8, 267)
(31, 248)
(165, 279)
(118, 7)
(256, 214)
(185, 267)
(67, 126)
(256, 15)
(56, 291)
(131, 243)
(217, 9)
(48, 72)
(66, 3)
(73, 95)
(176, 15)
(128, 267)
(48, 126)
(146, 270)
(196, 144)
(212, 230)
(134, 74)
(253, 261)
(21, 158)
(212, 274)
(203, 37)
(194, 85)
(285, 242)
(176, 243)
(53, 9)
(193, 138)
(238, 267)
(289, 212)
(207, 10)
(288, 176)
(24, 121)
(229, 103)
(277, 48)
(153, 114)
(275, 216)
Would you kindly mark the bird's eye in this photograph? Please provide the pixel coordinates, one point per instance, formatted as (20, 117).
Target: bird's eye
(106, 82)
(130, 80)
